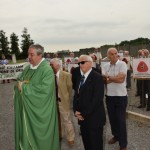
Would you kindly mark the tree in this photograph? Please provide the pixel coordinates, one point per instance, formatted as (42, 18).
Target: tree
(4, 44)
(140, 41)
(14, 44)
(124, 43)
(26, 42)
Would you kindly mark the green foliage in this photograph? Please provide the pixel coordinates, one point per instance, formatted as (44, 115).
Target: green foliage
(14, 44)
(4, 43)
(135, 42)
(140, 41)
(26, 42)
(124, 43)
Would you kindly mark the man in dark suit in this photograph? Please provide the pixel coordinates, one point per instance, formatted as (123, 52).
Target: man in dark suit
(76, 73)
(88, 104)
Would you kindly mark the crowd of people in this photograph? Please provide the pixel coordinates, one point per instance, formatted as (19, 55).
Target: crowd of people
(143, 85)
(4, 61)
(43, 94)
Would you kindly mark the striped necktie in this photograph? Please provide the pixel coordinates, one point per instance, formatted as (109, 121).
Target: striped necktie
(82, 80)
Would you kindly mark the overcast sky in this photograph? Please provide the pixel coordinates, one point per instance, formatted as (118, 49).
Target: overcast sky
(75, 24)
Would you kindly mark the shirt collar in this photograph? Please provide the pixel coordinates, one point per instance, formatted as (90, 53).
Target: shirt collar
(86, 74)
(115, 63)
(35, 67)
(57, 74)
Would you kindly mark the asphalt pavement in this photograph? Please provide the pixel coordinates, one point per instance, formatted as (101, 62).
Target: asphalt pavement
(138, 133)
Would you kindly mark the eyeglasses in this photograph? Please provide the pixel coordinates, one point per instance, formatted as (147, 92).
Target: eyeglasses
(82, 62)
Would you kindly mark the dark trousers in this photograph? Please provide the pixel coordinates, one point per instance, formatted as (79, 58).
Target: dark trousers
(138, 87)
(145, 89)
(7, 81)
(92, 137)
(148, 100)
(116, 106)
(128, 80)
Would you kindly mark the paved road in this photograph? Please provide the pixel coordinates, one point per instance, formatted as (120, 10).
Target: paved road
(138, 134)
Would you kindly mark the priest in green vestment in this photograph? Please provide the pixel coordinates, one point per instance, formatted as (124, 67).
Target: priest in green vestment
(36, 120)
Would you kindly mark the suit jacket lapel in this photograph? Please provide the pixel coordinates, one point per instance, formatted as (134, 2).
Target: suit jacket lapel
(60, 78)
(88, 81)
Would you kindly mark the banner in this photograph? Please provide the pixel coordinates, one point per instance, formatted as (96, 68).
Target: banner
(141, 68)
(11, 71)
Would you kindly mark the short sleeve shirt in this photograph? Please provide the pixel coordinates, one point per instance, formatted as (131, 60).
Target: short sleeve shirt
(115, 89)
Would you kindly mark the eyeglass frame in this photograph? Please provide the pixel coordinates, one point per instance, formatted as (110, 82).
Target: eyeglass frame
(82, 62)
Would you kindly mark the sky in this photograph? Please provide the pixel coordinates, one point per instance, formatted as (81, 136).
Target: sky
(76, 24)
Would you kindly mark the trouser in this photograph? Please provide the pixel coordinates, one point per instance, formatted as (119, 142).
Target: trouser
(145, 89)
(128, 80)
(116, 106)
(138, 87)
(147, 84)
(7, 81)
(92, 137)
(67, 128)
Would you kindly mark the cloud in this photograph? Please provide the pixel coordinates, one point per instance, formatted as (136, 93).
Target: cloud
(76, 24)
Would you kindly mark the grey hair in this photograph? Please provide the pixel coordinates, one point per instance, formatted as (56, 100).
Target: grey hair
(112, 48)
(56, 60)
(88, 58)
(39, 49)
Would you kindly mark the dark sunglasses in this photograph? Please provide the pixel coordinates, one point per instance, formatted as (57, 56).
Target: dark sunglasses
(82, 62)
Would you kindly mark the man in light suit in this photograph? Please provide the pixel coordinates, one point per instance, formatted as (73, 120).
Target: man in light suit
(64, 84)
(88, 104)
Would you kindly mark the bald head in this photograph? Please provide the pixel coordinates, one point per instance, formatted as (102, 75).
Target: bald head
(112, 54)
(110, 50)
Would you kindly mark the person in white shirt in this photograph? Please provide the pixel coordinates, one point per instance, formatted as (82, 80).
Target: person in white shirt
(116, 97)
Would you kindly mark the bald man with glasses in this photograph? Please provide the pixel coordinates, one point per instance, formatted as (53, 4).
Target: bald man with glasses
(88, 104)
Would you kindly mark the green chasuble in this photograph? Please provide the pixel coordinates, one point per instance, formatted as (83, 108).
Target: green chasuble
(36, 121)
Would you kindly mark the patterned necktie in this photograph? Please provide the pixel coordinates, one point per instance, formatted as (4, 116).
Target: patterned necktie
(82, 80)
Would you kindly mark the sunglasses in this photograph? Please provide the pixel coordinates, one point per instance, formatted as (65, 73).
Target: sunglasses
(82, 62)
